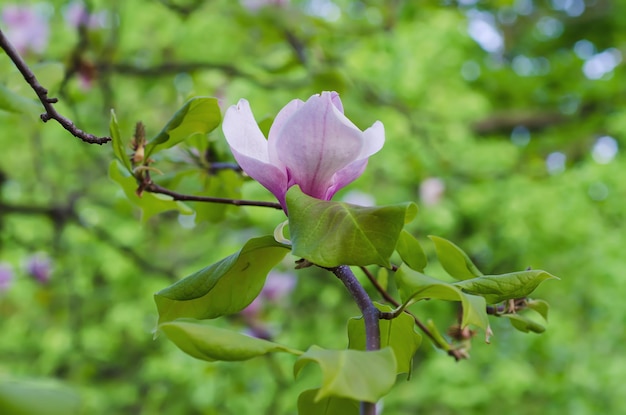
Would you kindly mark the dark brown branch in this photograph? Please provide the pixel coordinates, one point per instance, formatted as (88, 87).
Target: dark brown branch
(505, 122)
(42, 93)
(155, 188)
(172, 68)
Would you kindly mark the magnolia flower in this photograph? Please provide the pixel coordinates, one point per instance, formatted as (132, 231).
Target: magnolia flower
(311, 144)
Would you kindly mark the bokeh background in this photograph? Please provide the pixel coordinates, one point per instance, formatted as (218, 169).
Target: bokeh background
(505, 122)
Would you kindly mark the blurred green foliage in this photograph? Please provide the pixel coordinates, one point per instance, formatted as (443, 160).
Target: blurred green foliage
(513, 130)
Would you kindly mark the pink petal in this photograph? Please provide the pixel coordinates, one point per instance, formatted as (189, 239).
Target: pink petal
(279, 122)
(250, 149)
(373, 140)
(334, 97)
(315, 143)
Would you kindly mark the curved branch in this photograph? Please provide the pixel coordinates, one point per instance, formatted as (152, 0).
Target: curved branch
(42, 93)
(155, 188)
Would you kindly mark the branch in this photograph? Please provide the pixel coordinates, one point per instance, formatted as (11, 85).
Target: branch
(445, 346)
(370, 316)
(42, 93)
(152, 187)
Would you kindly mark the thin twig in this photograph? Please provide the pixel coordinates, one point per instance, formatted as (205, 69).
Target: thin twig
(418, 323)
(155, 188)
(42, 93)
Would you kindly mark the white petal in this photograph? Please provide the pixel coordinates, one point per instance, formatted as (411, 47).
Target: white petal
(250, 149)
(373, 139)
(243, 133)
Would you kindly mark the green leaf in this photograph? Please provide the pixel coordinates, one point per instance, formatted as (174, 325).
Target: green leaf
(199, 115)
(496, 288)
(540, 306)
(151, 204)
(226, 287)
(330, 234)
(307, 405)
(352, 374)
(118, 145)
(399, 334)
(454, 260)
(36, 398)
(205, 342)
(414, 286)
(524, 324)
(411, 251)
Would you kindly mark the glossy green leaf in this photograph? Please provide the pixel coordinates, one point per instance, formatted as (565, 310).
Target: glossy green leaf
(334, 233)
(308, 405)
(496, 288)
(226, 287)
(352, 374)
(37, 398)
(540, 306)
(151, 204)
(411, 251)
(454, 260)
(118, 145)
(199, 339)
(199, 115)
(399, 334)
(524, 324)
(414, 286)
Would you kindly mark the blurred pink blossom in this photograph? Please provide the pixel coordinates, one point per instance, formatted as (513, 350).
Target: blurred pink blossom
(432, 190)
(6, 276)
(76, 14)
(25, 27)
(254, 5)
(38, 266)
(277, 286)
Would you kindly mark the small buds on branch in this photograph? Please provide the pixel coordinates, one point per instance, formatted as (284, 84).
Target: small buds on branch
(42, 93)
